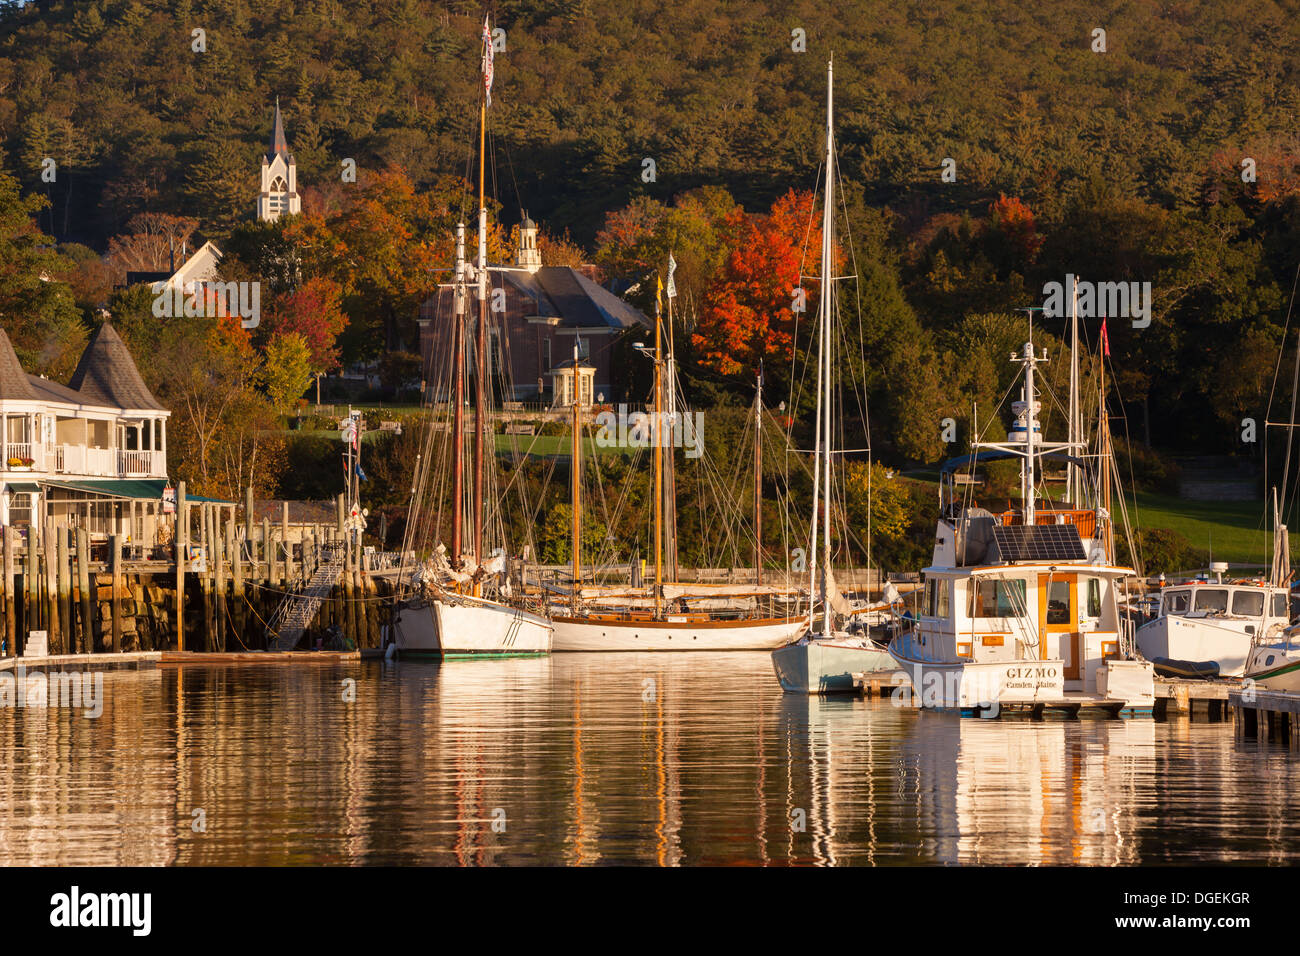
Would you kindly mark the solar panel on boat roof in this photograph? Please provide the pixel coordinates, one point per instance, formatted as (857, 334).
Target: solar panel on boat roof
(1041, 542)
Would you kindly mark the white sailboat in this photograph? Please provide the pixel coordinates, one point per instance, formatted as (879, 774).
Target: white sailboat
(826, 660)
(1023, 610)
(672, 616)
(444, 611)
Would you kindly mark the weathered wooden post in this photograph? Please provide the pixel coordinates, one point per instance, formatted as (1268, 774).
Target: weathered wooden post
(88, 617)
(64, 573)
(50, 554)
(11, 605)
(248, 517)
(284, 541)
(268, 573)
(241, 609)
(31, 580)
(181, 539)
(205, 587)
(114, 606)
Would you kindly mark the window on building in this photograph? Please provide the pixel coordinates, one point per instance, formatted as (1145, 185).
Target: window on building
(20, 508)
(997, 598)
(546, 355)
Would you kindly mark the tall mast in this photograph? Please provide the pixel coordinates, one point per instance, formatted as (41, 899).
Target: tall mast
(670, 463)
(657, 432)
(758, 479)
(480, 338)
(1103, 438)
(1073, 483)
(828, 227)
(458, 413)
(575, 481)
(1027, 481)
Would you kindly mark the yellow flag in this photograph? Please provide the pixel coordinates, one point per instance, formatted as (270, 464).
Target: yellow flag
(659, 293)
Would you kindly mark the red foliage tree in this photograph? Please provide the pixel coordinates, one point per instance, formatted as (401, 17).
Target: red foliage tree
(748, 312)
(315, 312)
(1015, 220)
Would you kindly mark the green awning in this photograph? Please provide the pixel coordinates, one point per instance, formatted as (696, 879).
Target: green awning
(149, 489)
(22, 486)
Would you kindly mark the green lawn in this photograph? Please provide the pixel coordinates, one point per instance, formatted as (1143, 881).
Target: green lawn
(1229, 530)
(546, 446)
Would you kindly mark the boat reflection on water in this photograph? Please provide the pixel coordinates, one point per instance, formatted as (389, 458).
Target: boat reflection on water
(595, 759)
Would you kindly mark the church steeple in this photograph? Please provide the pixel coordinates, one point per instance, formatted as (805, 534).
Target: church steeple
(279, 145)
(278, 195)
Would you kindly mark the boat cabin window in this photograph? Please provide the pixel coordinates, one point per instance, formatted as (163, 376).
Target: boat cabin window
(936, 597)
(1212, 599)
(1280, 608)
(1248, 603)
(1093, 596)
(1058, 602)
(1176, 602)
(998, 598)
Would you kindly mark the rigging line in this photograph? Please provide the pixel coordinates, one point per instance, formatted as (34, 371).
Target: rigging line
(1277, 370)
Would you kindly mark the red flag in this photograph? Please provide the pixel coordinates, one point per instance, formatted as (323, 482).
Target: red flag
(1105, 339)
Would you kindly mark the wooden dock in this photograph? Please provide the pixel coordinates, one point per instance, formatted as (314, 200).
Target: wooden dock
(148, 660)
(1174, 697)
(224, 583)
(1265, 715)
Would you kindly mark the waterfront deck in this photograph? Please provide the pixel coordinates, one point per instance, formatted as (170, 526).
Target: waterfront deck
(147, 660)
(1173, 697)
(1265, 715)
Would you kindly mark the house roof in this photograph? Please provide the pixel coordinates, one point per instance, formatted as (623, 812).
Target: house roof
(14, 384)
(563, 293)
(107, 375)
(54, 392)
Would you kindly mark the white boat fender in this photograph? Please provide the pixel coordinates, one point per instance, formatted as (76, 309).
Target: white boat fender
(391, 652)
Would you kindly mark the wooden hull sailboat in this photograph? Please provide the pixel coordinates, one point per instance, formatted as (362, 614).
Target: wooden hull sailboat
(455, 625)
(444, 611)
(688, 632)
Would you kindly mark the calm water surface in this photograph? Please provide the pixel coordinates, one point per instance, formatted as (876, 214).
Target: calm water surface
(611, 759)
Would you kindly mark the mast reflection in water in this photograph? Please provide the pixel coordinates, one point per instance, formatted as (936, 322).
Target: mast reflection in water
(647, 759)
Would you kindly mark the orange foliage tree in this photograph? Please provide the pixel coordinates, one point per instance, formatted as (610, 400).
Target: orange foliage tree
(748, 312)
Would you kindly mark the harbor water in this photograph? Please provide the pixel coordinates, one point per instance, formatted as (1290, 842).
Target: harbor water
(595, 759)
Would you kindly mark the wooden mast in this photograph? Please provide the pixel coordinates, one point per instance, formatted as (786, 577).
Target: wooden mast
(758, 479)
(458, 398)
(1104, 424)
(657, 433)
(480, 347)
(575, 482)
(670, 464)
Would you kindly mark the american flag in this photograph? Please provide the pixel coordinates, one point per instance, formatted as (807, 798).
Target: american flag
(487, 62)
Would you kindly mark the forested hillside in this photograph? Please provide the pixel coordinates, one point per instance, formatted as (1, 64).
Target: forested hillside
(1122, 165)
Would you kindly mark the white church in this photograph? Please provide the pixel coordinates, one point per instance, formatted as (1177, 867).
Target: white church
(277, 196)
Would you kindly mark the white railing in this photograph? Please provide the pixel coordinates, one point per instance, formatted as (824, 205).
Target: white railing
(68, 459)
(23, 450)
(135, 462)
